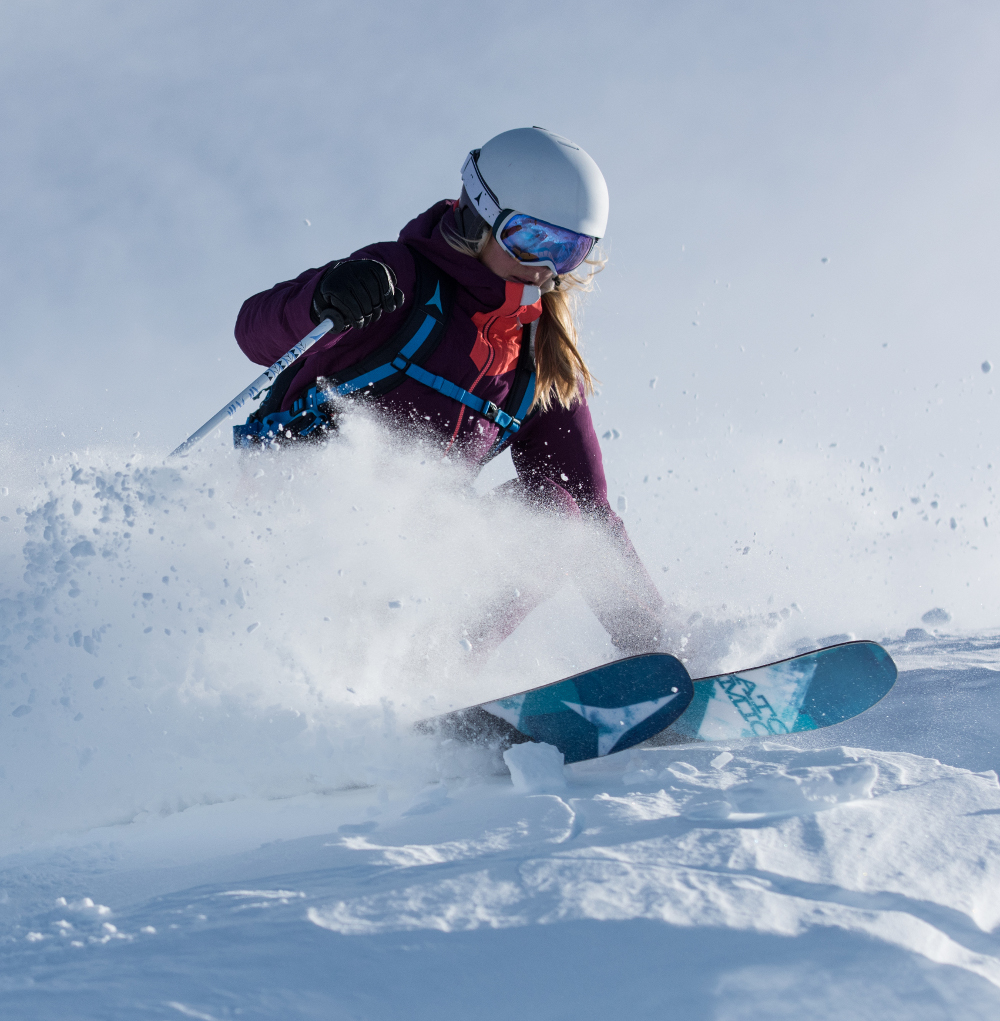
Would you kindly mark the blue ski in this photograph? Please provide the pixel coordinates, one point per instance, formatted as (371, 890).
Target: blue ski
(594, 713)
(652, 698)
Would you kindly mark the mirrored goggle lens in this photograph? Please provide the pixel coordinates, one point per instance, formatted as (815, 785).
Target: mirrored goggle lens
(534, 241)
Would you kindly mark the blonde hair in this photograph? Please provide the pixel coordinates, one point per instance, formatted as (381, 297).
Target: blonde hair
(560, 370)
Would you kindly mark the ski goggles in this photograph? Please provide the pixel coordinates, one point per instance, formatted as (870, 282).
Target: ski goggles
(537, 243)
(529, 240)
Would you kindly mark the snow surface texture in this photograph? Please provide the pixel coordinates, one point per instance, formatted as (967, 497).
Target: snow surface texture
(665, 882)
(213, 804)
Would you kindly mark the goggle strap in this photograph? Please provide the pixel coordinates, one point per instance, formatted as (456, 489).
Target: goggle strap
(485, 202)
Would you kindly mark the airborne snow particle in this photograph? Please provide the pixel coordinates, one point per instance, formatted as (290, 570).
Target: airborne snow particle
(395, 604)
(466, 644)
(83, 548)
(253, 627)
(307, 223)
(987, 366)
(653, 382)
(825, 259)
(21, 710)
(622, 504)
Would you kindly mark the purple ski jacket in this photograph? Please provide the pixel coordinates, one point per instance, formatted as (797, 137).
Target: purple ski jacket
(478, 352)
(556, 450)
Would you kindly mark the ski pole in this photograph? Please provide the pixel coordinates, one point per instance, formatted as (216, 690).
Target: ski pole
(256, 388)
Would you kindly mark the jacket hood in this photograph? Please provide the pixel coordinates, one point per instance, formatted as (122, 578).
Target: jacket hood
(424, 232)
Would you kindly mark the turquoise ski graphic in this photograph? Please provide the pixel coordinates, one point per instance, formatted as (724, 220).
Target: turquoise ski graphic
(594, 713)
(652, 698)
(807, 692)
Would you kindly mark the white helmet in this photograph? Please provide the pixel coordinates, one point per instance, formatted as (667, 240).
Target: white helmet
(541, 174)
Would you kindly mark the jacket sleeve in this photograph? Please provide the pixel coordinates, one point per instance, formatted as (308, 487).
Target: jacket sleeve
(561, 446)
(273, 321)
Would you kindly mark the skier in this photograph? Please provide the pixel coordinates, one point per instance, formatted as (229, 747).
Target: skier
(465, 325)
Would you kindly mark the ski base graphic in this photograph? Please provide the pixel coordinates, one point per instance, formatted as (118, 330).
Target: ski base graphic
(594, 713)
(807, 692)
(651, 698)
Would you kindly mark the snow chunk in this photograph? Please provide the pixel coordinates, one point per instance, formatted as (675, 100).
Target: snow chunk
(536, 768)
(936, 616)
(85, 906)
(986, 366)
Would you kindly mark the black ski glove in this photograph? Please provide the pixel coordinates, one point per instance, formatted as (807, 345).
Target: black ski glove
(355, 293)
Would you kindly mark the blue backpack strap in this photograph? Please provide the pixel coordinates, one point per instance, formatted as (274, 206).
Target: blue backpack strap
(376, 374)
(404, 354)
(372, 376)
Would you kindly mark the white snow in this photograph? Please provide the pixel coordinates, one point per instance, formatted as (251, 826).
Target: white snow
(535, 768)
(839, 881)
(200, 824)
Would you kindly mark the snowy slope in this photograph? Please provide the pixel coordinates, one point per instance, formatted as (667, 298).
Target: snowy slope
(667, 881)
(214, 807)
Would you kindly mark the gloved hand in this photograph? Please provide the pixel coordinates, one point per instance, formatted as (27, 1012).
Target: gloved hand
(355, 293)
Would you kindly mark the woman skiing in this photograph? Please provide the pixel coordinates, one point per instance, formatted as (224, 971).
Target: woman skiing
(464, 326)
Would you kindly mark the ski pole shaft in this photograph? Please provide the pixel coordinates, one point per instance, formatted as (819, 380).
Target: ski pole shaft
(256, 388)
